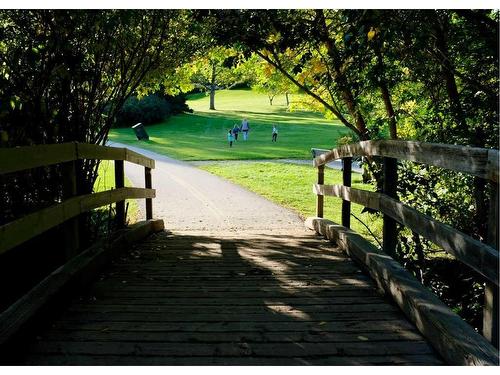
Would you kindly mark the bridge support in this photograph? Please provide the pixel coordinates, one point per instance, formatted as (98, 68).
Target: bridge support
(149, 201)
(119, 183)
(319, 198)
(346, 180)
(71, 227)
(390, 240)
(490, 311)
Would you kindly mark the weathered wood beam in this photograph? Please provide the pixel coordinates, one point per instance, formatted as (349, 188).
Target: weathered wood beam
(454, 339)
(120, 183)
(27, 157)
(21, 158)
(319, 197)
(477, 255)
(29, 226)
(476, 161)
(346, 180)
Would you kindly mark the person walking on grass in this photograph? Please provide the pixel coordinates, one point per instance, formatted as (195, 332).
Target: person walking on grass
(230, 138)
(245, 128)
(275, 134)
(236, 130)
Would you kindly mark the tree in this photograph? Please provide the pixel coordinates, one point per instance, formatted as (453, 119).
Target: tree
(212, 70)
(270, 81)
(65, 74)
(428, 75)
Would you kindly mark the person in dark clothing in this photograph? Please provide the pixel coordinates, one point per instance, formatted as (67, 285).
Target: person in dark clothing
(236, 130)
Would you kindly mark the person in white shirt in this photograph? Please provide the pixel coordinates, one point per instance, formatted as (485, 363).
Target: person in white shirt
(245, 129)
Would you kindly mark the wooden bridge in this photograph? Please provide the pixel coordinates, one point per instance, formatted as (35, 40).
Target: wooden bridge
(148, 296)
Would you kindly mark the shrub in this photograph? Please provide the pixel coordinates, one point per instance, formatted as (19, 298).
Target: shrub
(151, 109)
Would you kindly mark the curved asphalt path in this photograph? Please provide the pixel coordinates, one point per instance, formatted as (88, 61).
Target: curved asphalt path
(188, 198)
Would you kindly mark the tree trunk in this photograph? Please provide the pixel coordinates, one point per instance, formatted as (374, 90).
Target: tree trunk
(212, 97)
(212, 88)
(287, 100)
(341, 79)
(271, 98)
(386, 96)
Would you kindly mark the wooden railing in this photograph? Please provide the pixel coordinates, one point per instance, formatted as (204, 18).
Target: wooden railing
(25, 228)
(479, 162)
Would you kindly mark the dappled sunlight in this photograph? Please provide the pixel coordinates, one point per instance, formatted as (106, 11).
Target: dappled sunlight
(249, 295)
(287, 311)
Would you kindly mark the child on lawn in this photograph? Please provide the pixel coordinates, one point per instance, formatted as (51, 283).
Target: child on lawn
(230, 138)
(275, 133)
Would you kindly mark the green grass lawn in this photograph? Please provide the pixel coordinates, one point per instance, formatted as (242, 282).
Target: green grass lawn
(106, 181)
(202, 135)
(291, 186)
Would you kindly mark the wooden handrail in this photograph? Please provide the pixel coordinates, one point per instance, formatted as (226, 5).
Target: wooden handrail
(479, 162)
(21, 158)
(477, 255)
(21, 230)
(476, 161)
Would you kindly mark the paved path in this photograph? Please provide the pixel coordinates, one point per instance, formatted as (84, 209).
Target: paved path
(188, 198)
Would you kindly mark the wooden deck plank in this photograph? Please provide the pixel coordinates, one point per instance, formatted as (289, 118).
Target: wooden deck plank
(138, 360)
(257, 299)
(237, 349)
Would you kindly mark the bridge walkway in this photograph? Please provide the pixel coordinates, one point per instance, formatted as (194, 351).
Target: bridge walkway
(246, 298)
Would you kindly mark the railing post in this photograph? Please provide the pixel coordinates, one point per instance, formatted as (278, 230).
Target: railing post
(319, 198)
(119, 183)
(71, 227)
(490, 310)
(149, 201)
(390, 169)
(346, 181)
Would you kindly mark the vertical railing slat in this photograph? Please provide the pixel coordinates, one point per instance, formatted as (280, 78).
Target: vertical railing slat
(320, 198)
(490, 310)
(119, 183)
(390, 169)
(346, 181)
(71, 227)
(149, 201)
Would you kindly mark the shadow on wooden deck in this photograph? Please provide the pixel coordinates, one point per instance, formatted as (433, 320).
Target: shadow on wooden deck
(231, 299)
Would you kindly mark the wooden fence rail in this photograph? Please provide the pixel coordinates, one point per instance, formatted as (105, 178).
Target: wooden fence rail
(479, 162)
(21, 158)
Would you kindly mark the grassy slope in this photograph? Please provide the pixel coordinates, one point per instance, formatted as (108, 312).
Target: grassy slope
(106, 181)
(202, 135)
(290, 186)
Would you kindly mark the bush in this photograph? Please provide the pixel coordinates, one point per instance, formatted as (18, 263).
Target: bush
(151, 109)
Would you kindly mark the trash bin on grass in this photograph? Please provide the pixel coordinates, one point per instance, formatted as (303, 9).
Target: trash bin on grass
(140, 132)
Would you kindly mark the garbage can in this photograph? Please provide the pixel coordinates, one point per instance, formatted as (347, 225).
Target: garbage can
(140, 132)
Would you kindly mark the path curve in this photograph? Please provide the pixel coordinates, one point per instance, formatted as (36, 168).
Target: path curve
(188, 198)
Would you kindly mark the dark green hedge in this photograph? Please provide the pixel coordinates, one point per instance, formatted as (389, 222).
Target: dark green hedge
(151, 109)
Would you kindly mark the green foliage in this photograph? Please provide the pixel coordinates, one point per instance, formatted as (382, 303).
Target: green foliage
(426, 75)
(61, 69)
(150, 109)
